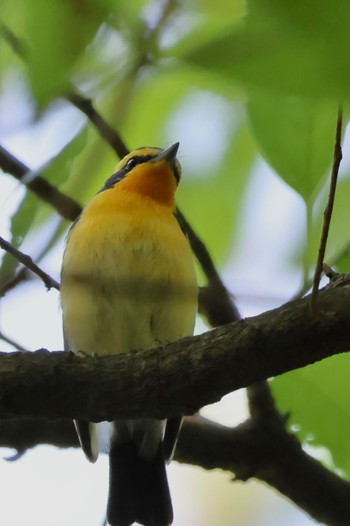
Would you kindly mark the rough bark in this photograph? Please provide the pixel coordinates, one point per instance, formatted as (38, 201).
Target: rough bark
(180, 377)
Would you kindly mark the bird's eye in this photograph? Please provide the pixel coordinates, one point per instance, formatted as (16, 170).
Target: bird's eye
(131, 163)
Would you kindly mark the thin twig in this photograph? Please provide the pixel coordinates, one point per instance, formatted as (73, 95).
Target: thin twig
(65, 205)
(16, 44)
(327, 215)
(29, 263)
(223, 309)
(109, 134)
(84, 104)
(21, 275)
(11, 342)
(198, 247)
(216, 303)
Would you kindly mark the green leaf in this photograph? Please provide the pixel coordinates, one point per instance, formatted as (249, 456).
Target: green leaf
(287, 47)
(343, 261)
(338, 238)
(211, 19)
(296, 135)
(21, 222)
(57, 33)
(215, 194)
(58, 168)
(221, 10)
(90, 169)
(163, 91)
(317, 398)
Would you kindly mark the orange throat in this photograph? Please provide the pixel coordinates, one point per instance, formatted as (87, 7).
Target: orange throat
(155, 181)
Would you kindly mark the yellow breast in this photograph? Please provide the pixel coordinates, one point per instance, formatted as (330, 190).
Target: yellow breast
(128, 278)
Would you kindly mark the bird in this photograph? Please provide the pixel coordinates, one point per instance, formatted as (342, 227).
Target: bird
(128, 283)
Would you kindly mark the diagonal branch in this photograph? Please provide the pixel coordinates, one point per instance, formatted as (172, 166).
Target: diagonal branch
(29, 263)
(13, 343)
(65, 205)
(250, 338)
(21, 276)
(109, 134)
(222, 309)
(215, 302)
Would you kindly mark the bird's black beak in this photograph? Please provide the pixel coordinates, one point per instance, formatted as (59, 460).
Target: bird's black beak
(168, 155)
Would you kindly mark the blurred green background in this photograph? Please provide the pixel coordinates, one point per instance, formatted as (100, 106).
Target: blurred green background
(251, 90)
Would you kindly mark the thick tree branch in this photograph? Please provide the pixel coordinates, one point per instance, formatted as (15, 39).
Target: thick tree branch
(250, 450)
(180, 377)
(219, 354)
(272, 455)
(26, 433)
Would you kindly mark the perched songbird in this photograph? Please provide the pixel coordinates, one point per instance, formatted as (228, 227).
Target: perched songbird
(128, 283)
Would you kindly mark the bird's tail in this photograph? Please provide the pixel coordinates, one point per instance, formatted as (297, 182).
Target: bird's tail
(138, 488)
